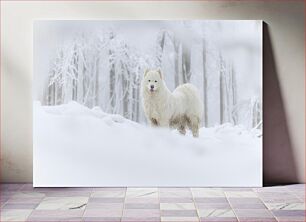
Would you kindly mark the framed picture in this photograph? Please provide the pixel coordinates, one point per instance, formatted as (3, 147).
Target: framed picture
(147, 103)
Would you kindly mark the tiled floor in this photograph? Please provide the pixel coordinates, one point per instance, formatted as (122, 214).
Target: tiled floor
(21, 202)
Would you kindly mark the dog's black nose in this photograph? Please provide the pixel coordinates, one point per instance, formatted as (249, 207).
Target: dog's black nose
(152, 86)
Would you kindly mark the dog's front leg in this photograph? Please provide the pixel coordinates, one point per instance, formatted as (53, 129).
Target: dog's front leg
(164, 123)
(154, 122)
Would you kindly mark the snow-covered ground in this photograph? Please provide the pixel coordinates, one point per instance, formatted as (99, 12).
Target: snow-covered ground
(78, 146)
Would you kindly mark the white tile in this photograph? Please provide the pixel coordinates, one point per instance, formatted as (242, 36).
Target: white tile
(240, 194)
(141, 193)
(177, 206)
(207, 192)
(216, 213)
(14, 215)
(62, 203)
(109, 194)
(286, 206)
(180, 219)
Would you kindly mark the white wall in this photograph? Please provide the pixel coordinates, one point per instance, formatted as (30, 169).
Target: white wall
(285, 21)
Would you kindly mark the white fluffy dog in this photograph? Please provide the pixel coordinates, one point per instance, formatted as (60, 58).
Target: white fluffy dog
(178, 109)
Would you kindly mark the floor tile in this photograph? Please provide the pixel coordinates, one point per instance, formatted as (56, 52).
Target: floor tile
(207, 192)
(177, 206)
(62, 203)
(56, 214)
(289, 213)
(210, 200)
(245, 200)
(109, 194)
(254, 213)
(175, 192)
(101, 219)
(213, 205)
(142, 200)
(291, 219)
(300, 187)
(20, 206)
(108, 188)
(103, 213)
(273, 197)
(23, 202)
(218, 219)
(104, 206)
(14, 214)
(216, 213)
(176, 200)
(179, 219)
(237, 189)
(144, 213)
(55, 219)
(10, 186)
(68, 194)
(105, 200)
(142, 193)
(178, 213)
(140, 219)
(256, 219)
(248, 206)
(280, 189)
(285, 206)
(141, 206)
(240, 194)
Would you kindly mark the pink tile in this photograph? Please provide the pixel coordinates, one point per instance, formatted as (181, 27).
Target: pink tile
(257, 213)
(218, 219)
(254, 219)
(68, 194)
(106, 200)
(289, 213)
(248, 206)
(140, 219)
(179, 213)
(244, 200)
(55, 219)
(210, 200)
(57, 213)
(110, 189)
(101, 219)
(237, 189)
(141, 206)
(25, 200)
(145, 213)
(176, 200)
(104, 206)
(213, 205)
(103, 213)
(20, 206)
(10, 186)
(142, 200)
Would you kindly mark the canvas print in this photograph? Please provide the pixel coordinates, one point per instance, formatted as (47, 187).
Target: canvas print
(147, 103)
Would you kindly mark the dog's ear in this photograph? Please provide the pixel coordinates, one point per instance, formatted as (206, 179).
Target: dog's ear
(160, 73)
(146, 72)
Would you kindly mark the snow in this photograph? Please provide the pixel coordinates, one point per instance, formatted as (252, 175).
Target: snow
(78, 146)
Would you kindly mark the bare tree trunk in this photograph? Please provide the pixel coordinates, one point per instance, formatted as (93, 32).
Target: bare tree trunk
(204, 84)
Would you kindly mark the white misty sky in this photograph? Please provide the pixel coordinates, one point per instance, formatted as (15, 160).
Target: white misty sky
(241, 41)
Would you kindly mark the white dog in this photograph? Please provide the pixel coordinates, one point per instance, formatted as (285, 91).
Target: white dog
(183, 107)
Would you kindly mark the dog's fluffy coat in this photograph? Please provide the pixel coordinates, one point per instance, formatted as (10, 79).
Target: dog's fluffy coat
(178, 109)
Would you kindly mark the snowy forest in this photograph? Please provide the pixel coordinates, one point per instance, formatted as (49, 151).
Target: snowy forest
(101, 63)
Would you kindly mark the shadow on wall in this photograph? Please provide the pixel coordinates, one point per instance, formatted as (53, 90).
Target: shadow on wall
(278, 161)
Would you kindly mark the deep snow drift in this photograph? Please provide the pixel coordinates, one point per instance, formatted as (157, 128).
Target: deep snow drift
(78, 146)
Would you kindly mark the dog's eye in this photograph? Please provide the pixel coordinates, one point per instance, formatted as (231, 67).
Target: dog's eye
(149, 80)
(155, 81)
